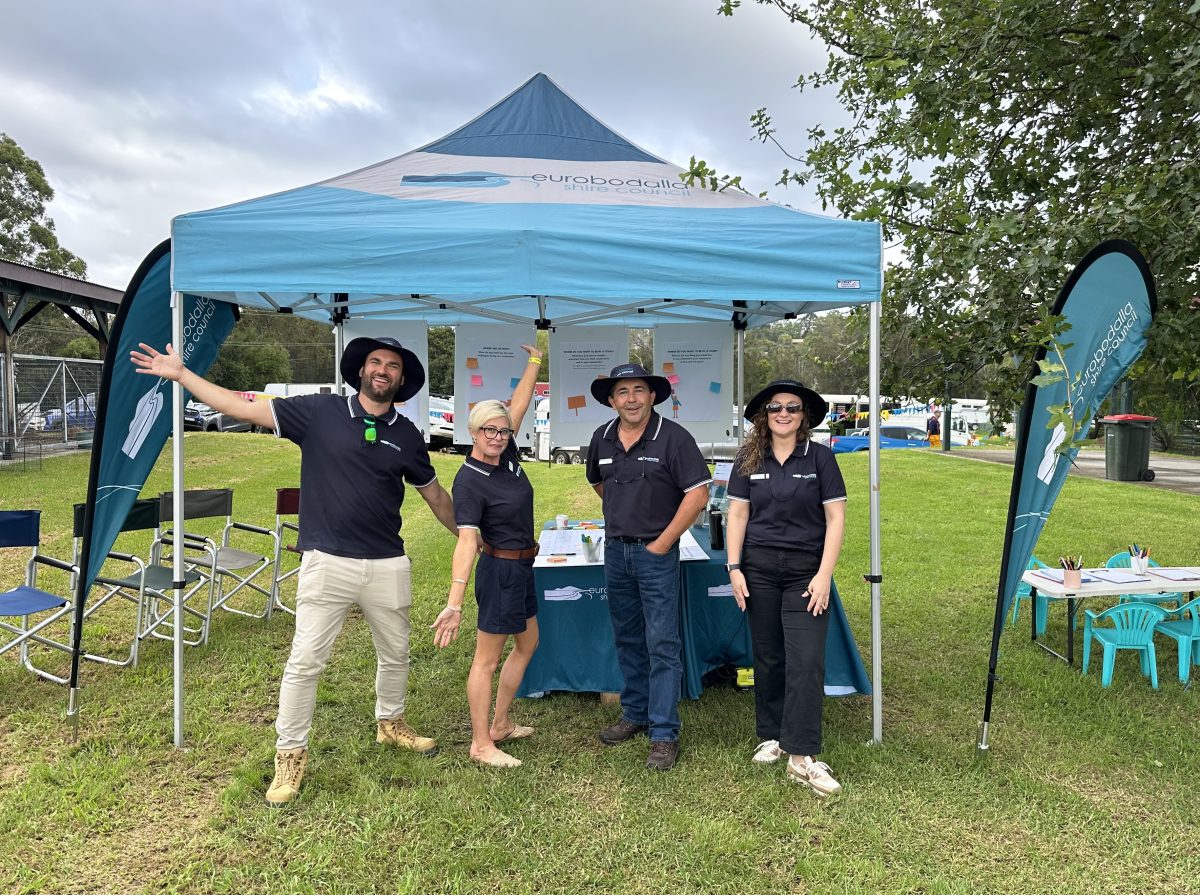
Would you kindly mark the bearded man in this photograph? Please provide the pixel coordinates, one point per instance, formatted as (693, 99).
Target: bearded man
(356, 453)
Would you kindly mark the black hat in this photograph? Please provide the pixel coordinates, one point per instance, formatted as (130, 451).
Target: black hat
(355, 355)
(815, 407)
(602, 388)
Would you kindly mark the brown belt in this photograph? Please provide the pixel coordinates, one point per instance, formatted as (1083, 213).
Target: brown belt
(530, 553)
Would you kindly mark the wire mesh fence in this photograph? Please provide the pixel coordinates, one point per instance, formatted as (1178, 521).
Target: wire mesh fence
(55, 403)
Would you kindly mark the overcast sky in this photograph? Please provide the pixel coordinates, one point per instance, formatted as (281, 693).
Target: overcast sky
(139, 111)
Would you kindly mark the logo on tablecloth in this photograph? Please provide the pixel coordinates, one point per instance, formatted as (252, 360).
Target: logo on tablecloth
(721, 590)
(571, 592)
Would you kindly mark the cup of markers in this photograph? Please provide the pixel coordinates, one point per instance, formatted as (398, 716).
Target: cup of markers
(1072, 571)
(1139, 559)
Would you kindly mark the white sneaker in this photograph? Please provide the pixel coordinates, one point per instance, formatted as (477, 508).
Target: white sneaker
(767, 751)
(814, 774)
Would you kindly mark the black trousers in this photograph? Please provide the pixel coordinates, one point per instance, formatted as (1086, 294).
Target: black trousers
(789, 647)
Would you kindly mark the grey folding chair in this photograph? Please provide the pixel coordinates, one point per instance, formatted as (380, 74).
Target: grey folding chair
(146, 582)
(287, 505)
(22, 528)
(223, 564)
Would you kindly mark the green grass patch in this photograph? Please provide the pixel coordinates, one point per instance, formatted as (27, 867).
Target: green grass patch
(1086, 790)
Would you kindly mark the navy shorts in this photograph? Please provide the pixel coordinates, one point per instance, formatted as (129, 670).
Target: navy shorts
(505, 594)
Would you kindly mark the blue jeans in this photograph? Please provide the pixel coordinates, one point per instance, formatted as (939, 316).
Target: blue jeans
(643, 600)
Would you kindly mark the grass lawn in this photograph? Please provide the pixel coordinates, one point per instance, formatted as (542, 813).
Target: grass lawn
(1086, 790)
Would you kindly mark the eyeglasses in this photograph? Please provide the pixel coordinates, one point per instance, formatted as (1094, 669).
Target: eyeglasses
(491, 432)
(793, 408)
(369, 433)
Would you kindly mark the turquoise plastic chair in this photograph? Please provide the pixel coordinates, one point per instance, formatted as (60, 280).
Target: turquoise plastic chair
(1040, 609)
(1121, 561)
(1186, 633)
(1133, 628)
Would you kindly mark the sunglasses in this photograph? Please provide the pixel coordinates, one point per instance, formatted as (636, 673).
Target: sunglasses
(792, 408)
(369, 433)
(493, 432)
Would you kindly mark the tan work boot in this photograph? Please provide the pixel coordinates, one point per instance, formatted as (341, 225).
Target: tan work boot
(396, 732)
(289, 771)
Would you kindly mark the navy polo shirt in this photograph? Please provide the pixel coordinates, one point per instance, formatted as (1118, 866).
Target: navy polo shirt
(644, 486)
(351, 489)
(787, 503)
(497, 500)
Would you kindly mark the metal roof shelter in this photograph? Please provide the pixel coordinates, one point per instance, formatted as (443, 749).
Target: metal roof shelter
(24, 291)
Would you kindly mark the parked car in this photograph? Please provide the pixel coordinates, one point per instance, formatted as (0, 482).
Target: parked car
(441, 421)
(81, 414)
(889, 437)
(200, 417)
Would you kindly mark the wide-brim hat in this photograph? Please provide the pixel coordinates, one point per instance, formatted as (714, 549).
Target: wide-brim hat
(355, 355)
(602, 388)
(815, 407)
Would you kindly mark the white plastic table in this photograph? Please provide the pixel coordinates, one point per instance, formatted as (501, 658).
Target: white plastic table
(1054, 590)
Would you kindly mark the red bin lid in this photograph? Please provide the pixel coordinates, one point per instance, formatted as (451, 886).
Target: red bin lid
(1128, 417)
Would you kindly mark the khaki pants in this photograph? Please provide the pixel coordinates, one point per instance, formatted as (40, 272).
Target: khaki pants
(329, 585)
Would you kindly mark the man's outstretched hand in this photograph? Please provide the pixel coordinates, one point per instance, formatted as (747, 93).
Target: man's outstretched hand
(154, 363)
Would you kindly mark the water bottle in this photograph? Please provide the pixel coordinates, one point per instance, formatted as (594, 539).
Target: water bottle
(716, 528)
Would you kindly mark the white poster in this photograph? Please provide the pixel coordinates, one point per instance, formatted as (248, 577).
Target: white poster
(697, 359)
(413, 335)
(488, 363)
(578, 356)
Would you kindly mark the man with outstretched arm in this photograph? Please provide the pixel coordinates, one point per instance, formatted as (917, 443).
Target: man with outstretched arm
(356, 453)
(653, 482)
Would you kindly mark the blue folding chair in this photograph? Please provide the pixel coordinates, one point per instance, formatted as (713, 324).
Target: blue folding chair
(1042, 604)
(1122, 561)
(1185, 631)
(1133, 628)
(22, 528)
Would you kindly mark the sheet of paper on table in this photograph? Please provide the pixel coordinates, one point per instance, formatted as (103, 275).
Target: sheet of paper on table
(1119, 576)
(565, 548)
(1056, 576)
(1176, 574)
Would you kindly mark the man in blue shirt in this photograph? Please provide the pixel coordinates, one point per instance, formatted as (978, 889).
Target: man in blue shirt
(357, 452)
(653, 482)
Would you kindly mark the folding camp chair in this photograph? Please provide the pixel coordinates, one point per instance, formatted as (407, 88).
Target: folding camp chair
(287, 503)
(22, 528)
(225, 562)
(144, 584)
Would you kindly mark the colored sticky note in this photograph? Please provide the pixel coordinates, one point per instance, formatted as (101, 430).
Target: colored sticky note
(514, 382)
(715, 388)
(668, 367)
(476, 380)
(673, 379)
(472, 363)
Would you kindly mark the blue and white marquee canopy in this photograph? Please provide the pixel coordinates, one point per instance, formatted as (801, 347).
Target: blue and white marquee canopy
(535, 210)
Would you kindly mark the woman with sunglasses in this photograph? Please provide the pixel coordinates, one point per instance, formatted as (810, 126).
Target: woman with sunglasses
(787, 514)
(493, 507)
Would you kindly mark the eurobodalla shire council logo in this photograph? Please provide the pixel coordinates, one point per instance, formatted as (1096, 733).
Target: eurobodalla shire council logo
(587, 183)
(476, 179)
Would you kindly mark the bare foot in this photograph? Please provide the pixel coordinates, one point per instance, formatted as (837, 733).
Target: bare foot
(502, 734)
(492, 757)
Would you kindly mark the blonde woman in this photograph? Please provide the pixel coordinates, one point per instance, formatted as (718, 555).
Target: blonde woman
(493, 507)
(787, 515)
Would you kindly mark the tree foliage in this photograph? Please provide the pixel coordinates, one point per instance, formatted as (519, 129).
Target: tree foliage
(26, 232)
(998, 141)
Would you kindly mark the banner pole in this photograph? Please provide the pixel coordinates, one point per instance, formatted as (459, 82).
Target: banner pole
(177, 522)
(876, 577)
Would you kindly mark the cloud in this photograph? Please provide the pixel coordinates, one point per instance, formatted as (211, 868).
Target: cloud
(141, 112)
